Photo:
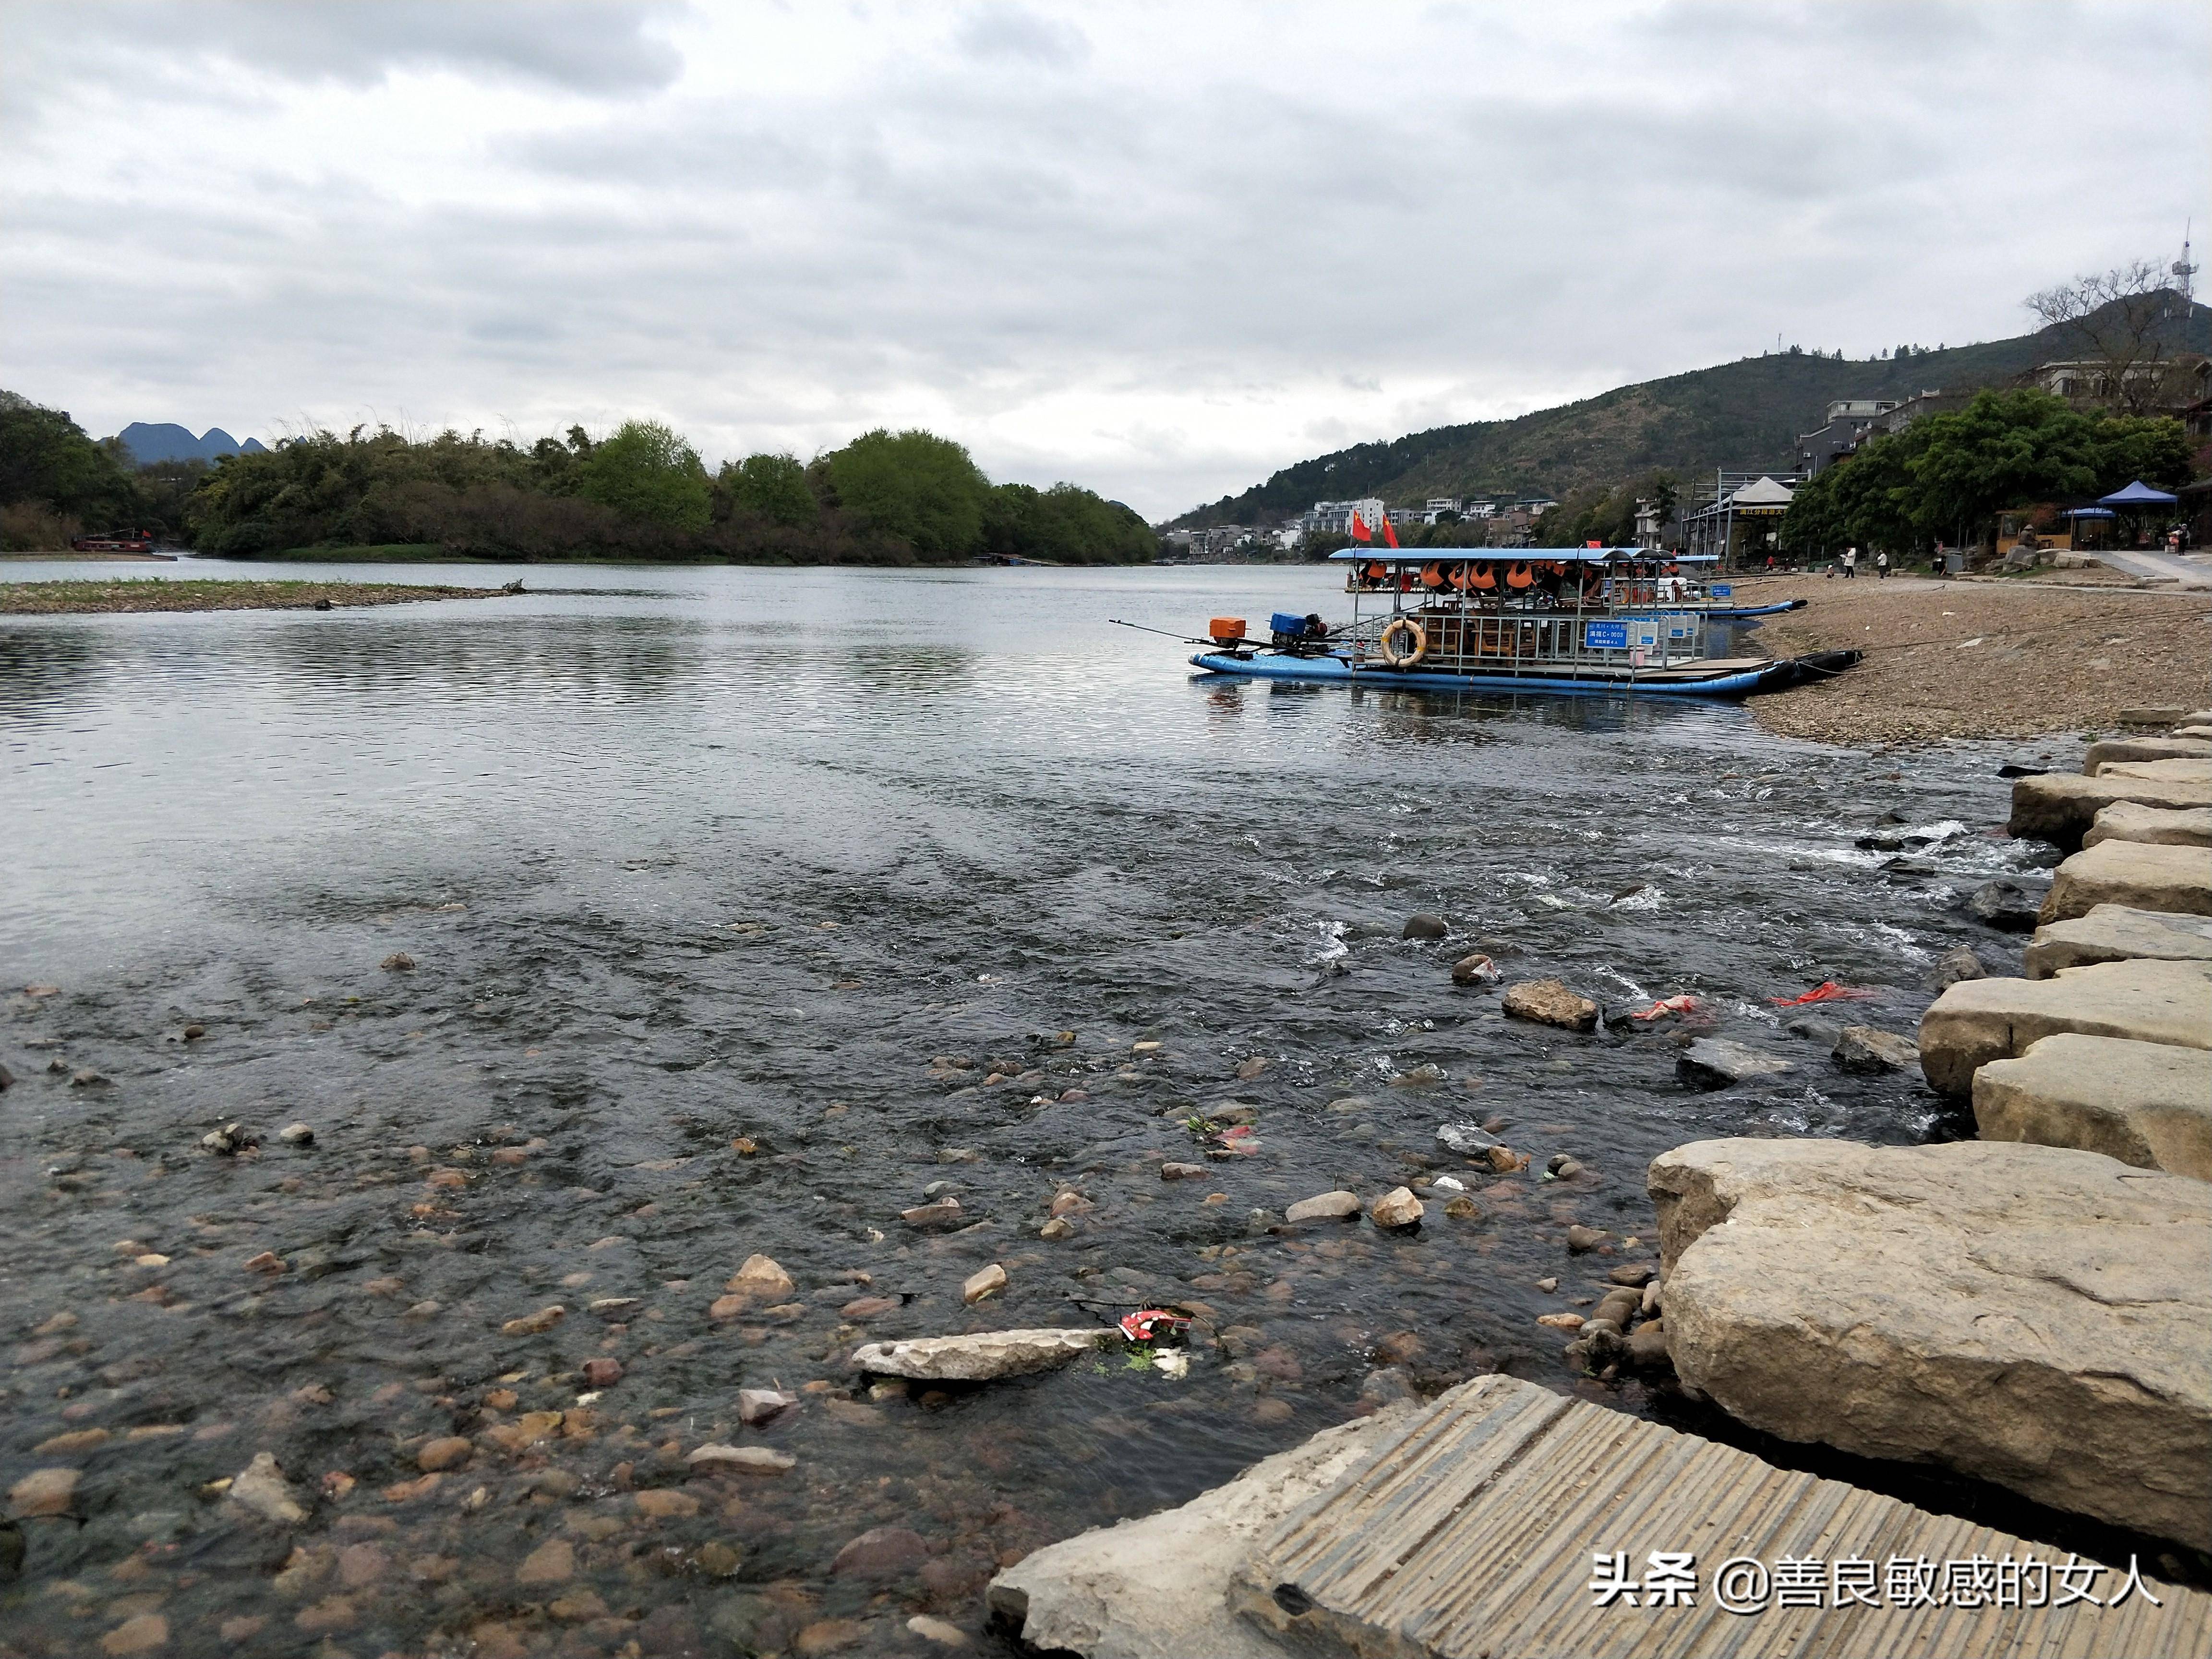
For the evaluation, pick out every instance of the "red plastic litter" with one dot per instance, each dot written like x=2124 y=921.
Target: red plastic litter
x=1152 y=1324
x=1682 y=1004
x=1826 y=991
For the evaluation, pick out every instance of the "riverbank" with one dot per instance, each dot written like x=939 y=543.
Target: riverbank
x=1980 y=659
x=69 y=599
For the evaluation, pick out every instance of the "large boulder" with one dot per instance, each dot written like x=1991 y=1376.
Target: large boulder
x=2114 y=932
x=980 y=1357
x=2145 y=1103
x=2142 y=876
x=2030 y=1316
x=1716 y=1062
x=2112 y=749
x=1155 y=1589
x=1979 y=1020
x=2060 y=806
x=2127 y=820
x=1548 y=1002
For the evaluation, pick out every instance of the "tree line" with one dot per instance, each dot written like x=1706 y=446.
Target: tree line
x=641 y=492
x=1944 y=477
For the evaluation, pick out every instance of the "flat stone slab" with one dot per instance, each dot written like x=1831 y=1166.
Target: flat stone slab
x=2111 y=749
x=2115 y=933
x=1154 y=1589
x=2127 y=820
x=2179 y=770
x=980 y=1357
x=2140 y=875
x=1979 y=1020
x=1476 y=1532
x=2030 y=1316
x=2060 y=806
x=2145 y=1103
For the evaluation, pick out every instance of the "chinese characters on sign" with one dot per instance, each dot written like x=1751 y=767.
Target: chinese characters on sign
x=1745 y=1584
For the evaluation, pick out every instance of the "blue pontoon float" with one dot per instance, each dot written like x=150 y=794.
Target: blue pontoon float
x=1595 y=620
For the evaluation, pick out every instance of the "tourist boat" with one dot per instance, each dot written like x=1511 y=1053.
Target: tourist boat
x=1583 y=619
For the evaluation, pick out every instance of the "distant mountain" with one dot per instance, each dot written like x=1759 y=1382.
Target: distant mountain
x=168 y=442
x=1746 y=415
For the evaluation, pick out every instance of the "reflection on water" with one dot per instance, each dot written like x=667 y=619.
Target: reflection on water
x=740 y=859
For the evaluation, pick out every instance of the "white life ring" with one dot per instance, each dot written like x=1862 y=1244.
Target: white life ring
x=1409 y=654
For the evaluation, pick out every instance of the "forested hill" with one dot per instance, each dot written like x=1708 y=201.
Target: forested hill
x=1746 y=414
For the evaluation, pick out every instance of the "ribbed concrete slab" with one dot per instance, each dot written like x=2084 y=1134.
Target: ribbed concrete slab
x=2116 y=932
x=1474 y=1534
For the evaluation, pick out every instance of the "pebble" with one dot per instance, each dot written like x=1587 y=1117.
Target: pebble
x=1465 y=1139
x=1181 y=1171
x=1059 y=1227
x=535 y=1324
x=553 y=1562
x=1580 y=1238
x=1547 y=1286
x=1397 y=1208
x=759 y=1406
x=741 y=1459
x=398 y=962
x=1324 y=1206
x=267 y=1262
x=1069 y=1203
x=1636 y=1273
x=1504 y=1160
x=86 y=1077
x=1423 y=924
x=450 y=1451
x=1426 y=1075
x=1462 y=1208
x=867 y=1307
x=260 y=1489
x=944 y=1214
x=602 y=1372
x=1651 y=1297
x=882 y=1552
x=1252 y=1068
x=986 y=1282
x=1566 y=1169
x=937 y=1189
x=44 y=1491
x=228 y=1140
x=1561 y=1322
x=664 y=1503
x=763 y=1277
x=1272 y=1411
x=1959 y=963
x=296 y=1135
x=1716 y=1062
x=143 y=1634
x=829 y=1635
x=1868 y=1049
x=194 y=1033
x=937 y=1630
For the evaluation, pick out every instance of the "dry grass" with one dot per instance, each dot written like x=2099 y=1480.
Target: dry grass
x=1982 y=659
x=59 y=599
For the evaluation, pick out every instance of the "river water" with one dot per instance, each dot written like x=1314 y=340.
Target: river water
x=703 y=872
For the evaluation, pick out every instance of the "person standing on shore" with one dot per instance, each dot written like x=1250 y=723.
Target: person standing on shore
x=1881 y=565
x=1850 y=562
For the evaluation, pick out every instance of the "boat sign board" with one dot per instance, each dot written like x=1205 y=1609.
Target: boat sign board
x=1605 y=636
x=1723 y=590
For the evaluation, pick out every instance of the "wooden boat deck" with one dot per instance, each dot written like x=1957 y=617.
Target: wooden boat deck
x=1471 y=1535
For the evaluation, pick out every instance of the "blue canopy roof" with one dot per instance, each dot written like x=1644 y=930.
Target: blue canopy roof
x=2137 y=493
x=1502 y=554
x=2091 y=512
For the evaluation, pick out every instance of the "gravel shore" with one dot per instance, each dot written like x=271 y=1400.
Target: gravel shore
x=1981 y=659
x=45 y=599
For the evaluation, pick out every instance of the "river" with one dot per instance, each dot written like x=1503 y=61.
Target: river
x=690 y=861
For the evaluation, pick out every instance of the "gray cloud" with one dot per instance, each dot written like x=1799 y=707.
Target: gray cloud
x=1206 y=243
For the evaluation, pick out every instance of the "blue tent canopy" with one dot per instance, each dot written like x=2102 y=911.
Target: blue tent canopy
x=2092 y=513
x=2137 y=493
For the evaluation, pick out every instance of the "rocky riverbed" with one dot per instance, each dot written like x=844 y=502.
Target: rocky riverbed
x=1983 y=659
x=603 y=946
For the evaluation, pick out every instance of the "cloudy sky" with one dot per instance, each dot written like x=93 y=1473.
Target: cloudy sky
x=1159 y=248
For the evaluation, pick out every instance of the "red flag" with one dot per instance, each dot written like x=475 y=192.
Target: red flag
x=1388 y=534
x=1360 y=532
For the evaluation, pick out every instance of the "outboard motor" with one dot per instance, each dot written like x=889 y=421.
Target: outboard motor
x=1301 y=635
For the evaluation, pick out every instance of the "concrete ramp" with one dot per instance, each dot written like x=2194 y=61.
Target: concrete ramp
x=1476 y=1533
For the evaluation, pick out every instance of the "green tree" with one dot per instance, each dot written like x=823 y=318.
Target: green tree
x=646 y=472
x=46 y=459
x=1066 y=525
x=914 y=485
x=773 y=486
